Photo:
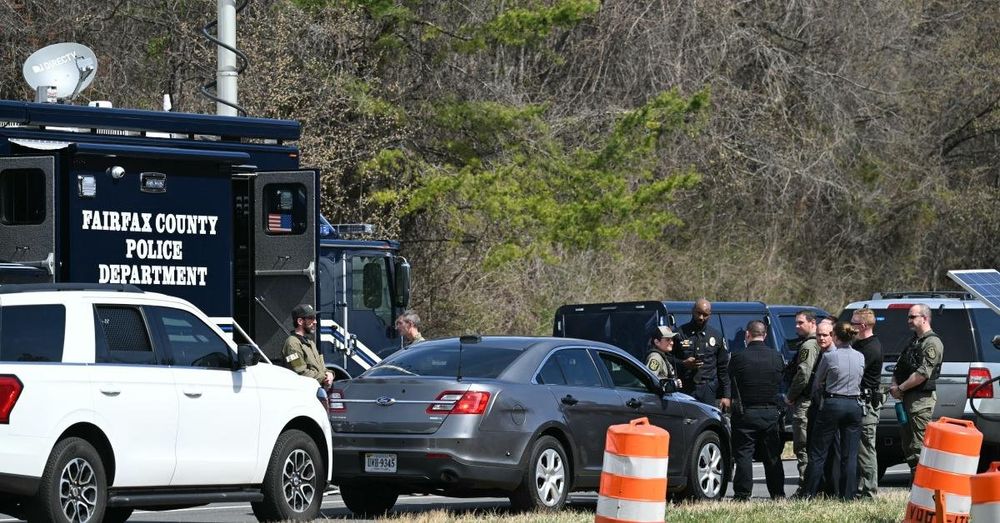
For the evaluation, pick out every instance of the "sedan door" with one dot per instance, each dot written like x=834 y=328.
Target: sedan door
x=218 y=426
x=588 y=407
x=640 y=396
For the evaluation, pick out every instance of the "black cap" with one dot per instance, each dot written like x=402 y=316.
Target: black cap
x=303 y=311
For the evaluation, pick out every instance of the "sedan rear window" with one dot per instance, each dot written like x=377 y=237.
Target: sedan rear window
x=443 y=360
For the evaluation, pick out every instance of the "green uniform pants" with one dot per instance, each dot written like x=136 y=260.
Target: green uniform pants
x=867 y=459
x=800 y=435
x=919 y=406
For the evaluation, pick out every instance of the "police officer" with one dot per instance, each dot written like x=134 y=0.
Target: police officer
x=704 y=358
x=800 y=389
x=871 y=392
x=408 y=327
x=838 y=379
x=914 y=380
x=299 y=349
x=756 y=375
x=659 y=357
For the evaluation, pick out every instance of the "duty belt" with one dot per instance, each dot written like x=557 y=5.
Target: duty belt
x=841 y=396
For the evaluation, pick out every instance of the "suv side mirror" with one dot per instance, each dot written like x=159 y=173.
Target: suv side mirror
x=667 y=386
x=246 y=356
x=996 y=341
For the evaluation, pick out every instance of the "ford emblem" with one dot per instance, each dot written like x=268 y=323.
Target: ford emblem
x=385 y=401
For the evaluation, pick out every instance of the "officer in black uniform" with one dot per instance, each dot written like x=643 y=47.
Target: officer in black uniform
x=704 y=358
x=756 y=375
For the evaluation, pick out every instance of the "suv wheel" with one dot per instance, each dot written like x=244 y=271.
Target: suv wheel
x=707 y=469
x=545 y=484
x=368 y=500
x=293 y=483
x=73 y=488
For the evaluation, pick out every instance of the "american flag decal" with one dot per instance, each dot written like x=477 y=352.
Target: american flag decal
x=279 y=222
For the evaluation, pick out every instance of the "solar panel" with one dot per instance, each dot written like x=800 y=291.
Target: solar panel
x=982 y=283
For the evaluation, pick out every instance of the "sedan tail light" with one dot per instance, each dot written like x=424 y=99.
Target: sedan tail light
x=457 y=402
x=332 y=397
x=10 y=390
x=978 y=376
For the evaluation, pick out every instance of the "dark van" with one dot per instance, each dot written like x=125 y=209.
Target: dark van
x=626 y=324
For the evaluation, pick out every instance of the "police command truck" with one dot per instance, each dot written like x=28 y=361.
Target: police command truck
x=212 y=209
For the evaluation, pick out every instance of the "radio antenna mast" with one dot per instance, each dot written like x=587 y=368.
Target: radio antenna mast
x=231 y=61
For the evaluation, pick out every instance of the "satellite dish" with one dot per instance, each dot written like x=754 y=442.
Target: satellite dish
x=68 y=67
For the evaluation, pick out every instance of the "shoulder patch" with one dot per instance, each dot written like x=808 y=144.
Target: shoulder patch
x=654 y=364
x=291 y=357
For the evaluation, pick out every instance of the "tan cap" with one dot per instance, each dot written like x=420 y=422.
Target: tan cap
x=665 y=331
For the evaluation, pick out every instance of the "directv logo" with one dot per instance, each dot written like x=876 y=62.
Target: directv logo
x=49 y=64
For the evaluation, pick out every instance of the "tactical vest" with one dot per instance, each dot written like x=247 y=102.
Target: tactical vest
x=793 y=365
x=909 y=361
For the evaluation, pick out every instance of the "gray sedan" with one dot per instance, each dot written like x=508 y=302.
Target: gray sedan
x=517 y=417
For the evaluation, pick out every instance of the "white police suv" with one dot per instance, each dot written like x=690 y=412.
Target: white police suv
x=969 y=330
x=113 y=399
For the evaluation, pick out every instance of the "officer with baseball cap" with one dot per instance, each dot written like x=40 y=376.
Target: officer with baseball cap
x=300 y=351
x=659 y=357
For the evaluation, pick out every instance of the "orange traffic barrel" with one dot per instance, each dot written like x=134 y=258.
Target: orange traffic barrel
x=948 y=460
x=986 y=495
x=634 y=475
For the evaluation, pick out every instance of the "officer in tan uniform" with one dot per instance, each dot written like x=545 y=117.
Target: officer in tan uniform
x=660 y=358
x=915 y=380
x=300 y=351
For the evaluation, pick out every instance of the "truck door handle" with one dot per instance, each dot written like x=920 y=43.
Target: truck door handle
x=192 y=394
x=569 y=400
x=633 y=403
x=108 y=391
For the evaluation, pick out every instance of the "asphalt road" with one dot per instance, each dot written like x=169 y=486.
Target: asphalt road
x=333 y=507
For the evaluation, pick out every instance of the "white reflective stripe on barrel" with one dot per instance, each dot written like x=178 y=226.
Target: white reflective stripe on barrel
x=948 y=462
x=635 y=467
x=985 y=512
x=631 y=510
x=954 y=504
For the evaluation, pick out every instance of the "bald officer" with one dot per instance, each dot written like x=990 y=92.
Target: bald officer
x=704 y=358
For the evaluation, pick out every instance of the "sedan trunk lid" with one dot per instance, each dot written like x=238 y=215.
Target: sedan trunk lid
x=395 y=406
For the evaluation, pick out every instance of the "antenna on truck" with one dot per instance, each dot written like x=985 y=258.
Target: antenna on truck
x=60 y=71
x=231 y=61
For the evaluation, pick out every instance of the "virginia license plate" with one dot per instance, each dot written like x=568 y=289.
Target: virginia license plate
x=380 y=462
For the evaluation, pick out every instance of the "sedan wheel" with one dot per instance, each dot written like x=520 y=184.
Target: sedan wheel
x=545 y=484
x=707 y=469
x=550 y=477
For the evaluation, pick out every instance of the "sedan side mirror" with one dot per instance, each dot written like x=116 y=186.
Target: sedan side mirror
x=668 y=386
x=996 y=341
x=246 y=356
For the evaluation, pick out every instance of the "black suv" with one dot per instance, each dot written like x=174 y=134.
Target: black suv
x=967 y=327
